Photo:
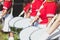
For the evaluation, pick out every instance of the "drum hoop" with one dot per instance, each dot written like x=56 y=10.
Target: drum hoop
x=16 y=21
x=32 y=33
x=20 y=20
x=12 y=19
x=9 y=21
x=24 y=29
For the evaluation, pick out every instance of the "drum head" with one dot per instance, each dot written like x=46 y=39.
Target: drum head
x=12 y=21
x=22 y=23
x=25 y=33
x=40 y=34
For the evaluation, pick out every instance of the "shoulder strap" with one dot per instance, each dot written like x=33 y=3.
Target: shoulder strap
x=38 y=13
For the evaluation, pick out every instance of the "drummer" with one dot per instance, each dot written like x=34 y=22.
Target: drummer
x=5 y=13
x=25 y=10
x=45 y=15
x=31 y=9
x=34 y=7
x=6 y=7
x=54 y=26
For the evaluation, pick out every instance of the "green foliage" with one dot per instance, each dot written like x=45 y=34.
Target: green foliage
x=4 y=36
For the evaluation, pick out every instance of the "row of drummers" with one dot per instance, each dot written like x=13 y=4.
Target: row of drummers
x=41 y=10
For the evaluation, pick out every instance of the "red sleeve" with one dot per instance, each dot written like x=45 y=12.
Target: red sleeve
x=26 y=8
x=7 y=4
x=51 y=9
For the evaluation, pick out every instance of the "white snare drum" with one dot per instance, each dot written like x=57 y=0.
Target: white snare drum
x=25 y=33
x=40 y=34
x=12 y=21
x=22 y=23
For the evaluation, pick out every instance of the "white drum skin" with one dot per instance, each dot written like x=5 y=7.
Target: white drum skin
x=22 y=23
x=12 y=21
x=40 y=34
x=25 y=33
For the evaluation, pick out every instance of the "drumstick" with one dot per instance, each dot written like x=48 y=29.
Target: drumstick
x=21 y=13
x=52 y=21
x=42 y=5
x=11 y=10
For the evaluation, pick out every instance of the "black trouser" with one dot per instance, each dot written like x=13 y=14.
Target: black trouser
x=17 y=7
